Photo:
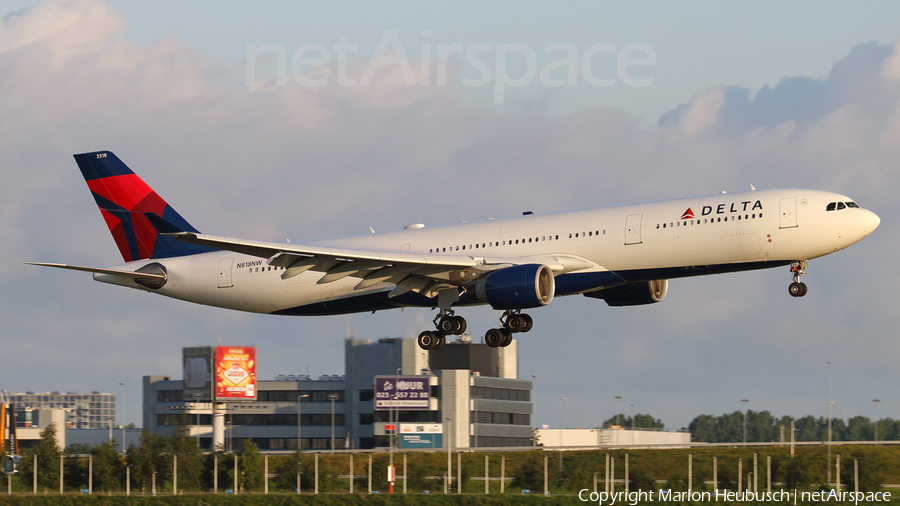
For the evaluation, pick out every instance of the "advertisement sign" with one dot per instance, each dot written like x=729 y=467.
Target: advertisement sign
x=197 y=373
x=421 y=428
x=421 y=441
x=404 y=392
x=235 y=373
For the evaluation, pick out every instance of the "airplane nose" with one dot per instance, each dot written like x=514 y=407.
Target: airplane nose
x=869 y=221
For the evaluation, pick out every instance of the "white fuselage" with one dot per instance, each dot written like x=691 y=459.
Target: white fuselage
x=654 y=240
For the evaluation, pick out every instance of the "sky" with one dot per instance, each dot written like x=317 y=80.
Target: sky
x=633 y=102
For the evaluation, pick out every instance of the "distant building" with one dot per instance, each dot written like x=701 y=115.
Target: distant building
x=646 y=438
x=83 y=411
x=30 y=435
x=474 y=399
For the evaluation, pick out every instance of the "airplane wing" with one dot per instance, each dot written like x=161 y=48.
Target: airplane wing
x=424 y=274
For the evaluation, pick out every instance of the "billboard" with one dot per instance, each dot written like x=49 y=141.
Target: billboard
x=421 y=435
x=197 y=373
x=235 y=373
x=403 y=392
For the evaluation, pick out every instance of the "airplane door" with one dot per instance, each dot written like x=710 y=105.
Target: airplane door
x=633 y=229
x=225 y=272
x=788 y=209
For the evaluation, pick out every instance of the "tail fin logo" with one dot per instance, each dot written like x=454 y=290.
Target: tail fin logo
x=124 y=200
x=687 y=214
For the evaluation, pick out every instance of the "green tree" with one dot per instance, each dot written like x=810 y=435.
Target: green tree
x=251 y=467
x=48 y=452
x=147 y=458
x=703 y=428
x=108 y=468
x=859 y=428
x=190 y=457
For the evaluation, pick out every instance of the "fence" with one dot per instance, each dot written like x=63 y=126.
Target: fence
x=737 y=467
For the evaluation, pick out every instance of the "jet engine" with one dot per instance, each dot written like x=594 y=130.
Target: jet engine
x=633 y=294
x=517 y=287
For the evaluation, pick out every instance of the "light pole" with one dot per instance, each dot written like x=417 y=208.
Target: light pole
x=197 y=416
x=875 y=402
x=830 y=405
x=560 y=421
x=124 y=407
x=299 y=423
x=744 y=402
x=332 y=397
x=449 y=453
x=618 y=398
x=632 y=417
x=110 y=419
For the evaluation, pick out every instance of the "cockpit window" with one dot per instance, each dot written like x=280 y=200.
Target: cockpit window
x=840 y=205
x=852 y=204
x=830 y=207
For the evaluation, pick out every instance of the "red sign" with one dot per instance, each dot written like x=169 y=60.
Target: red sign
x=236 y=373
x=389 y=426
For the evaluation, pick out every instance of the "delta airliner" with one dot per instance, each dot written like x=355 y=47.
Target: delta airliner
x=622 y=254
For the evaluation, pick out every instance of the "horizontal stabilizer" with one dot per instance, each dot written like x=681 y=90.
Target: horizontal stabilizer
x=97 y=270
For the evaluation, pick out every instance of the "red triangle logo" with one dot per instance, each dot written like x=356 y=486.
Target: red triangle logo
x=687 y=214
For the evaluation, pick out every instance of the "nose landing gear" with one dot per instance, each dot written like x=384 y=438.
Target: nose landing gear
x=798 y=288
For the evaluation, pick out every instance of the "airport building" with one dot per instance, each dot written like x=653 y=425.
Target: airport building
x=465 y=395
x=83 y=411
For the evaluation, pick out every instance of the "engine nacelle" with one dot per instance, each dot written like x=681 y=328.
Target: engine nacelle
x=633 y=294
x=517 y=287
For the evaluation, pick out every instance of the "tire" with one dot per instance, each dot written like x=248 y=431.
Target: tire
x=441 y=341
x=515 y=323
x=507 y=339
x=448 y=325
x=529 y=323
x=803 y=289
x=493 y=337
x=461 y=325
x=427 y=340
x=795 y=289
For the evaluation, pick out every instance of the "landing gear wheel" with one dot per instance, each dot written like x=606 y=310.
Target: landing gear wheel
x=516 y=323
x=441 y=341
x=529 y=323
x=495 y=337
x=797 y=289
x=461 y=325
x=448 y=324
x=428 y=340
x=507 y=339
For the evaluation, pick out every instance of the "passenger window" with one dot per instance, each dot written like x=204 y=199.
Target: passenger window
x=557 y=237
x=570 y=236
x=664 y=225
x=830 y=207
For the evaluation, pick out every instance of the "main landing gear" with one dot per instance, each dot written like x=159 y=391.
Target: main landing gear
x=445 y=323
x=513 y=321
x=798 y=288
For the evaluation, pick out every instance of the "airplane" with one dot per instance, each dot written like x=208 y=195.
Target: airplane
x=623 y=254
